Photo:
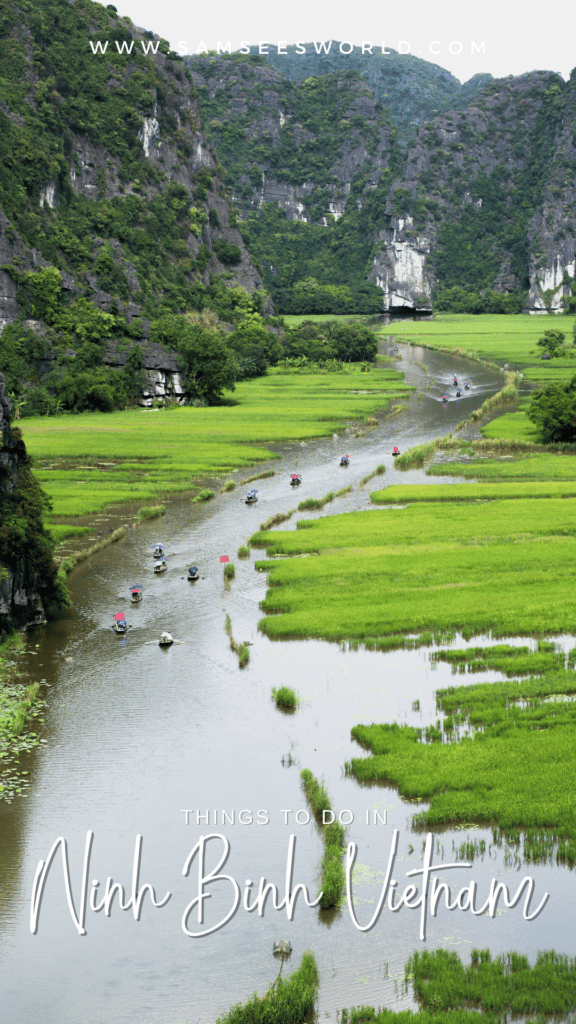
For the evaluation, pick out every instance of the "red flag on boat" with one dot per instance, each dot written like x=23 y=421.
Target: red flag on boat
x=119 y=615
x=224 y=558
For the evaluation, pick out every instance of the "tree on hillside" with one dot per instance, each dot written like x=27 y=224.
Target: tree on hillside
x=207 y=364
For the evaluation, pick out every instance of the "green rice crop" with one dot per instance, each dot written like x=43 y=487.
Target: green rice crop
x=514 y=426
x=285 y=697
x=343 y=491
x=61 y=531
x=230 y=485
x=474 y=492
x=150 y=512
x=229 y=571
x=451 y=992
x=333 y=834
x=90 y=461
x=243 y=551
x=502 y=566
x=515 y=771
x=204 y=495
x=507 y=984
x=287 y=1001
x=542 y=466
x=489 y=337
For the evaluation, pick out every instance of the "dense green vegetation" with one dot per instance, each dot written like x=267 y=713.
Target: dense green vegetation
x=451 y=992
x=553 y=410
x=156 y=453
x=287 y=1001
x=413 y=89
x=500 y=565
x=312 y=268
x=505 y=984
x=504 y=771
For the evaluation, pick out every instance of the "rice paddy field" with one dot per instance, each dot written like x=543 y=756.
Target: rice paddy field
x=501 y=339
x=512 y=767
x=493 y=491
x=541 y=466
x=91 y=461
x=502 y=566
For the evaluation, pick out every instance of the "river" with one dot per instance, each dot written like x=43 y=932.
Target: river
x=136 y=735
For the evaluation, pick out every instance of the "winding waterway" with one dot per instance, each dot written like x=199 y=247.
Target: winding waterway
x=136 y=735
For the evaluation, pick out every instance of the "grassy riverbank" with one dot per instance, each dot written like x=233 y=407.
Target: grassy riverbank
x=493 y=339
x=89 y=462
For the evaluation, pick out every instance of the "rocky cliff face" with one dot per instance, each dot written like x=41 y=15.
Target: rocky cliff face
x=487 y=195
x=413 y=90
x=481 y=199
x=298 y=144
x=123 y=192
x=27 y=574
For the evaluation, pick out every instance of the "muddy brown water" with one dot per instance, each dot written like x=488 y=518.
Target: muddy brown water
x=136 y=735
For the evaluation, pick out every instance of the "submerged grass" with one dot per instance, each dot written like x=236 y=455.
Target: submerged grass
x=243 y=551
x=379 y=471
x=204 y=495
x=515 y=770
x=285 y=697
x=150 y=512
x=19 y=704
x=74 y=559
x=242 y=650
x=333 y=834
x=313 y=504
x=78 y=462
x=278 y=517
x=287 y=1001
x=258 y=476
x=485 y=990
